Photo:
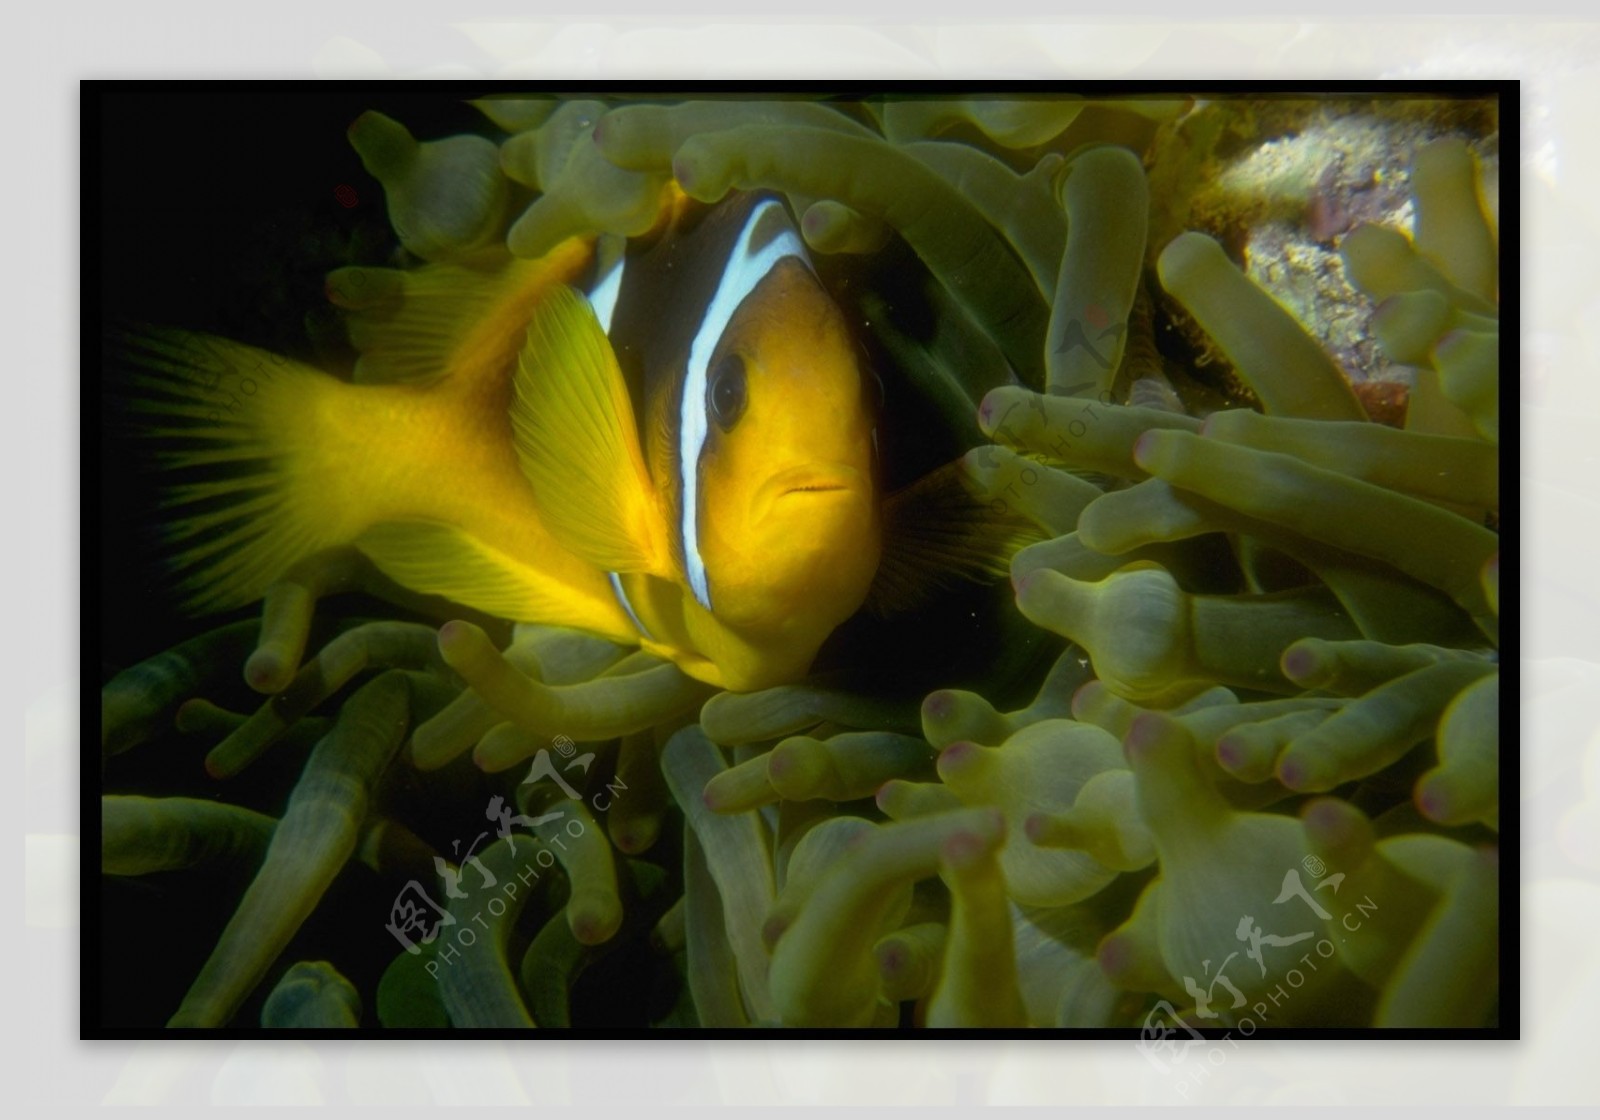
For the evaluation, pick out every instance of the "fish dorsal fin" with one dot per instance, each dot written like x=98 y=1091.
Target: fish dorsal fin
x=939 y=530
x=578 y=443
x=420 y=324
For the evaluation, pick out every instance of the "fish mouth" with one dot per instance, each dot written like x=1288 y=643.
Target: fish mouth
x=818 y=488
x=801 y=483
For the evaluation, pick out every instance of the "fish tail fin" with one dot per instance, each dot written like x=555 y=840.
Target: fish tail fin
x=236 y=433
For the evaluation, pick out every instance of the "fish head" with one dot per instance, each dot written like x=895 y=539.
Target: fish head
x=789 y=519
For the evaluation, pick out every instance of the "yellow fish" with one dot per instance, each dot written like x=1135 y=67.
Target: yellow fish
x=675 y=449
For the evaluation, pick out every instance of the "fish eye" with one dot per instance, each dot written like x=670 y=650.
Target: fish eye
x=727 y=392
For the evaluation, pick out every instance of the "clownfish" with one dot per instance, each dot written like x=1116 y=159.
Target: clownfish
x=672 y=446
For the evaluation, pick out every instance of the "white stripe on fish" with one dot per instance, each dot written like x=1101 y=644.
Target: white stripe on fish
x=766 y=239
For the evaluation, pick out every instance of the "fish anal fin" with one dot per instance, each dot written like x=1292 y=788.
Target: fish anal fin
x=434 y=558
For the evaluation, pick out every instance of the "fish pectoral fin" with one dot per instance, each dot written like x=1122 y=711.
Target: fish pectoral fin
x=578 y=443
x=938 y=531
x=433 y=558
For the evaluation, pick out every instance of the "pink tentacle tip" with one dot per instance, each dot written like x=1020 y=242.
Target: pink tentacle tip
x=1020 y=585
x=189 y=716
x=1114 y=954
x=1325 y=820
x=1036 y=826
x=453 y=634
x=264 y=671
x=1144 y=736
x=957 y=755
x=589 y=928
x=892 y=958
x=1143 y=448
x=634 y=839
x=1085 y=694
x=938 y=705
x=963 y=850
x=1432 y=801
x=1294 y=772
x=683 y=172
x=1298 y=663
x=1230 y=753
x=986 y=411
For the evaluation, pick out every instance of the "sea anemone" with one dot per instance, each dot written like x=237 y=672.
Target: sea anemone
x=1239 y=703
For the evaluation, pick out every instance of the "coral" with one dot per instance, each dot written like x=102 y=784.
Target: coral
x=1083 y=801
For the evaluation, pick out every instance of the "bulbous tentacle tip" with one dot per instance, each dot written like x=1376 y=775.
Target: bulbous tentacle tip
x=782 y=763
x=594 y=925
x=774 y=928
x=694 y=170
x=958 y=757
x=1330 y=823
x=1295 y=772
x=992 y=410
x=1037 y=827
x=1455 y=797
x=1144 y=448
x=892 y=956
x=454 y=633
x=383 y=143
x=1338 y=832
x=1432 y=798
x=1024 y=586
x=198 y=716
x=264 y=673
x=1299 y=662
x=1147 y=739
x=1230 y=753
x=635 y=837
x=938 y=705
x=1115 y=954
x=963 y=850
x=1085 y=696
